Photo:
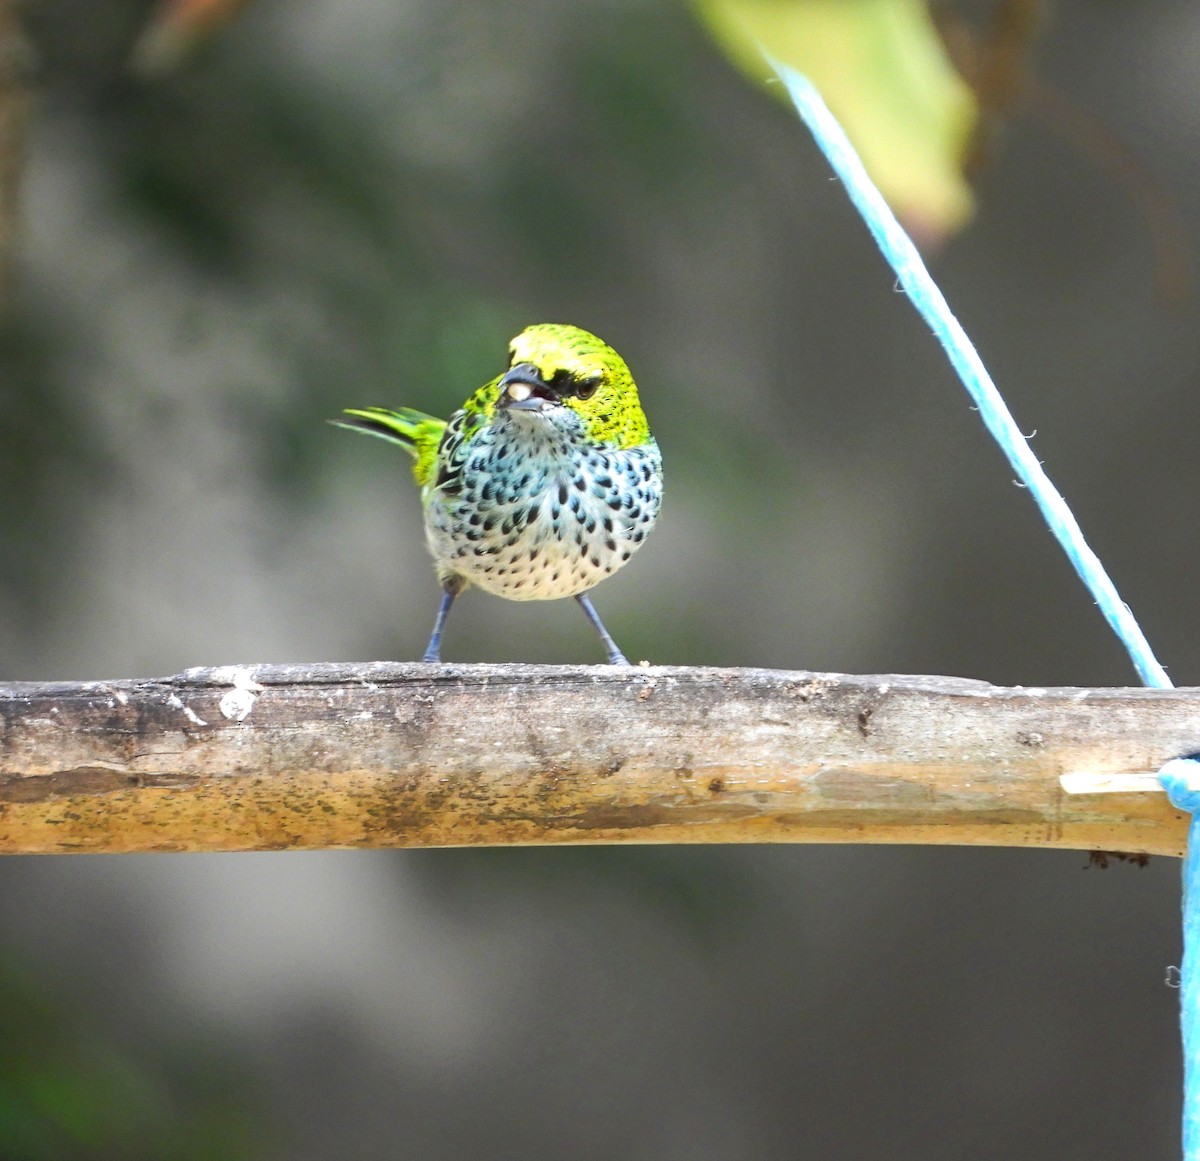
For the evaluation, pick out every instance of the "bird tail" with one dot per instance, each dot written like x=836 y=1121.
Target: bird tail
x=416 y=432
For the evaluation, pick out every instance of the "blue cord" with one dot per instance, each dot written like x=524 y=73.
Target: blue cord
x=1180 y=777
x=927 y=298
x=1181 y=780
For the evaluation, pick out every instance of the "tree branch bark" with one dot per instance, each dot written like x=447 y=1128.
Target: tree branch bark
x=387 y=755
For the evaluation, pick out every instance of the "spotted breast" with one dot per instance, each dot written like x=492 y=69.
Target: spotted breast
x=536 y=513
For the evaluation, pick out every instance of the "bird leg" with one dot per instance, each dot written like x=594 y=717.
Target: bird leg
x=615 y=656
x=433 y=651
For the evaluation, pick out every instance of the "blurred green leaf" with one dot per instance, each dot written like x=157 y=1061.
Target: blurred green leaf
x=882 y=69
x=176 y=27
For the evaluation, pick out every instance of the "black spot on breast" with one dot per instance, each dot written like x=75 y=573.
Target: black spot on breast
x=562 y=493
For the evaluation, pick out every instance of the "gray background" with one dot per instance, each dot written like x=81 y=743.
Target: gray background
x=359 y=203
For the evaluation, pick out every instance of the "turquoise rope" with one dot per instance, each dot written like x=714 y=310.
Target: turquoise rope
x=929 y=301
x=1179 y=776
x=1181 y=780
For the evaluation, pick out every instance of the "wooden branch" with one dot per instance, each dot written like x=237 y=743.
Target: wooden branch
x=382 y=755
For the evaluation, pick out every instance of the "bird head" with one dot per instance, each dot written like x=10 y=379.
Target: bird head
x=554 y=366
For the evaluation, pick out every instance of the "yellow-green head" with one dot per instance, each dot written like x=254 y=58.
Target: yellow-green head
x=556 y=363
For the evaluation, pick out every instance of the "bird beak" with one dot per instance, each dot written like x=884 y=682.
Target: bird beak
x=523 y=389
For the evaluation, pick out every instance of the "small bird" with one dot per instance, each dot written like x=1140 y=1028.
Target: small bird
x=546 y=481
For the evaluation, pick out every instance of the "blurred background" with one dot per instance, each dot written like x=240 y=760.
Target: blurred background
x=235 y=223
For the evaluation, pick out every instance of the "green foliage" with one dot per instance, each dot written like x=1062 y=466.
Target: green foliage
x=69 y=1092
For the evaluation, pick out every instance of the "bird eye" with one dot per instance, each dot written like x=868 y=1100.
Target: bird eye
x=587 y=387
